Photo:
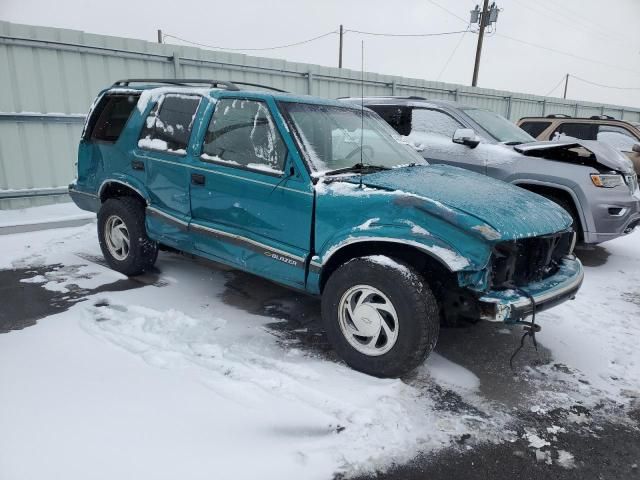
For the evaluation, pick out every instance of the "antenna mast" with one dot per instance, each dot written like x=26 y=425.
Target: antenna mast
x=361 y=110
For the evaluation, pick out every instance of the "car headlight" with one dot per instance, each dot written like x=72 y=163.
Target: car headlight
x=607 y=180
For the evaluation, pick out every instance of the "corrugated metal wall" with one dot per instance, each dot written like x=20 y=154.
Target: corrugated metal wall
x=51 y=76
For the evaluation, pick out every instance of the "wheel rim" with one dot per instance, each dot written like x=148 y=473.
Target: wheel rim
x=116 y=237
x=368 y=320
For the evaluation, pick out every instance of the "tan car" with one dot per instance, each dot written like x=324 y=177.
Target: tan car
x=621 y=135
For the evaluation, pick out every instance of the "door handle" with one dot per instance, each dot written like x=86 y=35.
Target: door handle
x=197 y=179
x=137 y=164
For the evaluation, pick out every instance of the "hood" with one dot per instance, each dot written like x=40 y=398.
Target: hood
x=511 y=211
x=604 y=154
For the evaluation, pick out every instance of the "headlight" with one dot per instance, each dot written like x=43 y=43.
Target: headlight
x=607 y=180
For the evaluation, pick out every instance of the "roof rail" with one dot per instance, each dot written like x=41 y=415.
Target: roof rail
x=185 y=82
x=274 y=89
x=601 y=117
x=177 y=81
x=558 y=115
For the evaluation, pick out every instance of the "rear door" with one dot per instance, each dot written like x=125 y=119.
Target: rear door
x=163 y=154
x=251 y=199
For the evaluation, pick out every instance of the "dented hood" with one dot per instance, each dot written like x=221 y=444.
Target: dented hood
x=605 y=155
x=511 y=211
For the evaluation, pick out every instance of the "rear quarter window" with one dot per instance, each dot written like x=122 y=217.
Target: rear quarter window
x=535 y=128
x=168 y=126
x=110 y=116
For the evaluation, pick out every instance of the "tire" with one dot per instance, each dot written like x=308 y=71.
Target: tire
x=415 y=306
x=134 y=252
x=570 y=209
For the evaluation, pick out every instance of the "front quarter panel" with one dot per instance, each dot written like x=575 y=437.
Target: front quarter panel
x=347 y=213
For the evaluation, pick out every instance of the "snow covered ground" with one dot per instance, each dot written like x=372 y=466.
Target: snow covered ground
x=172 y=380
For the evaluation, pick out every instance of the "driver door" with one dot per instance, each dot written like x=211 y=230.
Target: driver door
x=251 y=202
x=432 y=132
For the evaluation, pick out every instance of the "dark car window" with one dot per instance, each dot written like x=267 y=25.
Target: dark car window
x=168 y=126
x=110 y=116
x=583 y=131
x=243 y=133
x=535 y=128
x=425 y=120
x=398 y=117
x=618 y=137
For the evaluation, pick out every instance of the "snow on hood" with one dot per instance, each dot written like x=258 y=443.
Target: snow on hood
x=511 y=211
x=605 y=154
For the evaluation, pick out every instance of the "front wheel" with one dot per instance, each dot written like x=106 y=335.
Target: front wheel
x=380 y=316
x=123 y=236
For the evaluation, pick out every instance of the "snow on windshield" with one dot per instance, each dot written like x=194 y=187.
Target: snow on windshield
x=340 y=137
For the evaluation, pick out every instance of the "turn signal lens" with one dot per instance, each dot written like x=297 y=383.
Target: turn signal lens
x=607 y=180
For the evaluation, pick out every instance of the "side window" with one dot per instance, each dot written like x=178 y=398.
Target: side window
x=583 y=131
x=618 y=137
x=243 y=133
x=398 y=117
x=168 y=126
x=110 y=116
x=433 y=121
x=535 y=128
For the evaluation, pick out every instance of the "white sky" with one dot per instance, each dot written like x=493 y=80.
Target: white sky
x=605 y=32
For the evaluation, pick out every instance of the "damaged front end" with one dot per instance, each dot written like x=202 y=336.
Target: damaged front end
x=531 y=274
x=523 y=276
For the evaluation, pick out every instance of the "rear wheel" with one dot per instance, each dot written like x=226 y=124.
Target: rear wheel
x=123 y=236
x=380 y=316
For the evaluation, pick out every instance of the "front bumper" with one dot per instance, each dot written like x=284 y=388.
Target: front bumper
x=511 y=306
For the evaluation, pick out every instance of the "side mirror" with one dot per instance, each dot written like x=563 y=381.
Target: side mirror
x=636 y=147
x=466 y=136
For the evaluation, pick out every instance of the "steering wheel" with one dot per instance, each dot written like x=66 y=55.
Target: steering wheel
x=366 y=149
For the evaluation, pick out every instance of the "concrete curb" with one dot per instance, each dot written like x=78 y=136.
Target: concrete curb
x=34 y=227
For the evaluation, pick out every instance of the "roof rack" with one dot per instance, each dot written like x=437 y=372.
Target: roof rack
x=274 y=89
x=185 y=82
x=601 y=117
x=177 y=81
x=558 y=115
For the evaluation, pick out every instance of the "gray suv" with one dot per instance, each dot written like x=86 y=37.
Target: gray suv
x=592 y=181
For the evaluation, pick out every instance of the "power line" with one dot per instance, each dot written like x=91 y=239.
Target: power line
x=378 y=34
x=451 y=56
x=166 y=35
x=592 y=26
x=604 y=86
x=554 y=88
x=590 y=60
x=432 y=2
x=573 y=23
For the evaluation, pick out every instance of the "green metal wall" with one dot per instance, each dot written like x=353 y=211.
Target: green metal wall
x=50 y=76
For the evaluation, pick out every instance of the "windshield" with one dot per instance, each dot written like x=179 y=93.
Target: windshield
x=499 y=127
x=334 y=139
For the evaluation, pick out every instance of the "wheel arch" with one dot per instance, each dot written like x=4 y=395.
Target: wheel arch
x=558 y=190
x=420 y=258
x=113 y=188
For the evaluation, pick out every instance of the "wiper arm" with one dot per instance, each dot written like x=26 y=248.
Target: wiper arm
x=357 y=167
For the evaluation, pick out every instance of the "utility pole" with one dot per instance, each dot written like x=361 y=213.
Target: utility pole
x=486 y=17
x=340 y=48
x=159 y=36
x=566 y=84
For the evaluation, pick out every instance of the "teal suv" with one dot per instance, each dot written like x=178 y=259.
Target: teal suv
x=323 y=197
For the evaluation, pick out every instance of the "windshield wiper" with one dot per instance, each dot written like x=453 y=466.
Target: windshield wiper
x=513 y=143
x=357 y=168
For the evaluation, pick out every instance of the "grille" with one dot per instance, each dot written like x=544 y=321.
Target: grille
x=520 y=262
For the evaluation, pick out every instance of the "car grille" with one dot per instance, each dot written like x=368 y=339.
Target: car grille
x=520 y=262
